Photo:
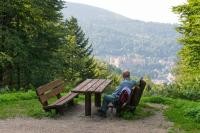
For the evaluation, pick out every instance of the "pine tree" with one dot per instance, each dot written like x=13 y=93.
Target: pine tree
x=77 y=52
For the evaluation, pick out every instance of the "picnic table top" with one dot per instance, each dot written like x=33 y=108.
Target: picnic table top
x=92 y=86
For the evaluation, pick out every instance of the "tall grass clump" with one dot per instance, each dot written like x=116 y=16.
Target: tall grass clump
x=16 y=96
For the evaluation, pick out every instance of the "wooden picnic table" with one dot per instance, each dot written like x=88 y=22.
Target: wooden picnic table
x=89 y=87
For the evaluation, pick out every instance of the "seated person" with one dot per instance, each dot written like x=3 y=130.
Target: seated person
x=126 y=83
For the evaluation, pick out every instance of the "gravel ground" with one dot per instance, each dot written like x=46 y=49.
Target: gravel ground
x=74 y=121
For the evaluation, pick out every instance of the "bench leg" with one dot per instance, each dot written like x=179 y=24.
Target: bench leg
x=98 y=99
x=87 y=104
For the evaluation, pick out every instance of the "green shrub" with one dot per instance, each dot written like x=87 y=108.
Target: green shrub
x=186 y=90
x=187 y=87
x=189 y=90
x=193 y=113
x=197 y=118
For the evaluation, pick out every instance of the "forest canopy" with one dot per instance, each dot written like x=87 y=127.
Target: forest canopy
x=38 y=45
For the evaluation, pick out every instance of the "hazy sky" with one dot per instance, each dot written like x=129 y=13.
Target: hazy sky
x=146 y=10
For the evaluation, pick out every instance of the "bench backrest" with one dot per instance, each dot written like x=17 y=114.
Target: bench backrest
x=50 y=90
x=137 y=93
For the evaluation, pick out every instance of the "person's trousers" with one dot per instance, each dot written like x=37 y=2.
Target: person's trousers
x=106 y=100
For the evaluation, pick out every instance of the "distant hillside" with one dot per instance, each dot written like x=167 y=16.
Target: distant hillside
x=143 y=47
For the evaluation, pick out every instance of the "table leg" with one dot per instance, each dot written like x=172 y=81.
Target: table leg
x=98 y=99
x=88 y=104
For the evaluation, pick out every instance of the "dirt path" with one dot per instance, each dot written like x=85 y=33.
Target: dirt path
x=74 y=121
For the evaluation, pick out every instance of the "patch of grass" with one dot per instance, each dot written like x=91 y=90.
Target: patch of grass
x=179 y=111
x=23 y=108
x=142 y=111
x=184 y=113
x=157 y=99
x=15 y=96
x=21 y=104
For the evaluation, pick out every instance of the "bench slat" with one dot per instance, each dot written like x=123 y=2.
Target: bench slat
x=86 y=86
x=69 y=98
x=65 y=97
x=61 y=102
x=53 y=92
x=84 y=83
x=42 y=89
x=89 y=85
x=102 y=86
x=95 y=86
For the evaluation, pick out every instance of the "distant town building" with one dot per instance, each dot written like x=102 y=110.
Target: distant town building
x=157 y=81
x=170 y=78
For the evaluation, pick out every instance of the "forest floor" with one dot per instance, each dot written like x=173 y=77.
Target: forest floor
x=74 y=121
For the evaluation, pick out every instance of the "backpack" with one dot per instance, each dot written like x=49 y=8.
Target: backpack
x=123 y=98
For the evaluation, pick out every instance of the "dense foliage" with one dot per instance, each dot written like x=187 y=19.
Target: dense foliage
x=188 y=67
x=37 y=46
x=30 y=34
x=175 y=90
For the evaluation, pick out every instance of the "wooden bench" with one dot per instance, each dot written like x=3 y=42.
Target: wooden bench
x=53 y=89
x=136 y=94
x=134 y=100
